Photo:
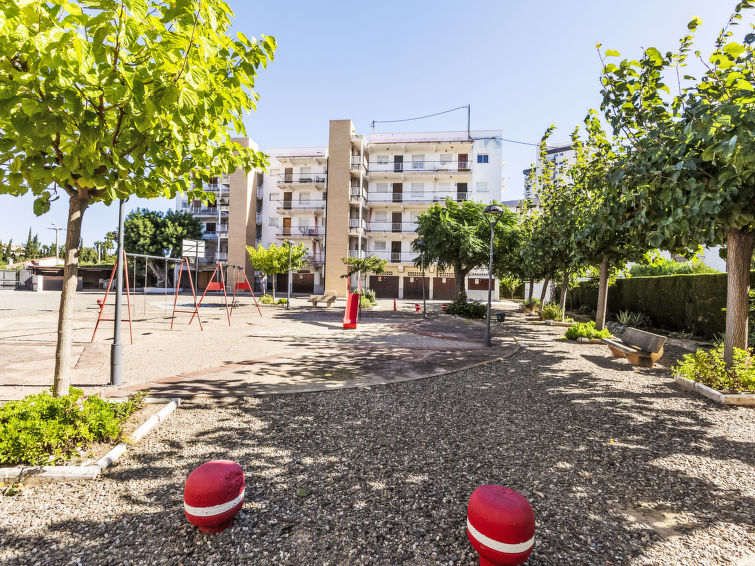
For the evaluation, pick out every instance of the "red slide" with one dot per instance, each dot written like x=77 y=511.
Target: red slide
x=352 y=310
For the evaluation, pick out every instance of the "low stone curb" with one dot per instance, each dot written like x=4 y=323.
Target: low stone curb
x=741 y=399
x=583 y=340
x=43 y=474
x=557 y=323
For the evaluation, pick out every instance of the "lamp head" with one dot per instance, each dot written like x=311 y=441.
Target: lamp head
x=493 y=213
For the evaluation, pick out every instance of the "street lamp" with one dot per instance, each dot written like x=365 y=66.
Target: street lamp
x=419 y=244
x=288 y=301
x=493 y=214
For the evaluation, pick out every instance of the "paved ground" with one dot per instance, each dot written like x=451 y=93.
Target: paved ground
x=304 y=349
x=621 y=467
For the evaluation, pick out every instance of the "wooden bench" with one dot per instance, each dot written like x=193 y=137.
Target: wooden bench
x=329 y=297
x=640 y=348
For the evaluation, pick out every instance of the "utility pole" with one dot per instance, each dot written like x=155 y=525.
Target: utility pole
x=116 y=348
x=57 y=247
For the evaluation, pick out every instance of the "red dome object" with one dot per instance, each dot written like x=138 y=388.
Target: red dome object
x=500 y=525
x=213 y=494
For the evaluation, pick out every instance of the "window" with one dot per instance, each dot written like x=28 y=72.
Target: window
x=482 y=187
x=275 y=172
x=418 y=161
x=379 y=246
x=444 y=189
x=382 y=188
x=445 y=158
x=380 y=216
x=382 y=159
x=482 y=158
x=273 y=221
x=418 y=189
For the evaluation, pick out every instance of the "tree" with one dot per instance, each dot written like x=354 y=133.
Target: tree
x=152 y=232
x=32 y=249
x=275 y=259
x=458 y=235
x=114 y=99
x=363 y=266
x=688 y=172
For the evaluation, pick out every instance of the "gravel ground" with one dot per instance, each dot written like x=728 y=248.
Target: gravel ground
x=621 y=467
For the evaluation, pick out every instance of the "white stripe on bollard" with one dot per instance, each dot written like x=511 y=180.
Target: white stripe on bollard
x=215 y=509
x=497 y=545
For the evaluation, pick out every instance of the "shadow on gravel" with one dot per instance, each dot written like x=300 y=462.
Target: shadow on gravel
x=382 y=475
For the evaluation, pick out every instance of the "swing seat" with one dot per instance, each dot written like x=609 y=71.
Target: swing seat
x=243 y=286
x=215 y=286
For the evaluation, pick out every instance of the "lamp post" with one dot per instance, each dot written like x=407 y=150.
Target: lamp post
x=116 y=348
x=288 y=301
x=493 y=214
x=57 y=247
x=420 y=243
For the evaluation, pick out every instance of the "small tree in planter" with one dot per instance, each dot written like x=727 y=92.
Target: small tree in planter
x=274 y=260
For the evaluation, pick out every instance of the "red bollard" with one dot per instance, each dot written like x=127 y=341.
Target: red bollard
x=394 y=304
x=500 y=525
x=213 y=494
x=443 y=306
x=416 y=307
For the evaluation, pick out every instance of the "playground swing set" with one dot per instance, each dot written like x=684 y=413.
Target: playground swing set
x=216 y=283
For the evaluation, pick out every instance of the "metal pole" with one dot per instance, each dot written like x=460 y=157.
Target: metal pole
x=196 y=267
x=116 y=350
x=288 y=302
x=490 y=291
x=424 y=302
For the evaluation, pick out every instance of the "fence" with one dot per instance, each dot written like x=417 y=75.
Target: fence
x=8 y=278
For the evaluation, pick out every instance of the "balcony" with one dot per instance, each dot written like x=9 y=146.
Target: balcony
x=357 y=253
x=260 y=192
x=296 y=205
x=357 y=226
x=417 y=168
x=357 y=194
x=259 y=218
x=394 y=257
x=358 y=164
x=222 y=231
x=316 y=259
x=302 y=181
x=300 y=232
x=416 y=198
x=217 y=188
x=205 y=211
x=392 y=227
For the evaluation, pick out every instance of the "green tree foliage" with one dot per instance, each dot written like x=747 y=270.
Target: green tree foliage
x=275 y=259
x=688 y=174
x=363 y=266
x=101 y=100
x=458 y=235
x=32 y=248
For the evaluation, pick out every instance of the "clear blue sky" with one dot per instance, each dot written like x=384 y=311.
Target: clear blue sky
x=521 y=65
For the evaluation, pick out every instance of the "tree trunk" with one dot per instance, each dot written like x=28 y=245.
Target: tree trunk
x=275 y=276
x=158 y=276
x=739 y=254
x=532 y=289
x=564 y=290
x=600 y=316
x=62 y=378
x=544 y=290
x=461 y=276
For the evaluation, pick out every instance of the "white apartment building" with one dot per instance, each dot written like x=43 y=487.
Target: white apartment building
x=358 y=196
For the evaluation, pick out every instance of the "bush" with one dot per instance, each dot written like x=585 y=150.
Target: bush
x=585 y=330
x=533 y=303
x=552 y=311
x=282 y=301
x=42 y=429
x=709 y=368
x=666 y=266
x=266 y=299
x=461 y=307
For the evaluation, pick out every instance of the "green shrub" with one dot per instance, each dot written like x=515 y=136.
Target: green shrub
x=282 y=301
x=634 y=319
x=586 y=330
x=266 y=299
x=665 y=266
x=552 y=311
x=364 y=302
x=461 y=307
x=708 y=367
x=531 y=303
x=42 y=429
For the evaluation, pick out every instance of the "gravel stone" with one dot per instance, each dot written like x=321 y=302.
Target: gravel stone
x=621 y=467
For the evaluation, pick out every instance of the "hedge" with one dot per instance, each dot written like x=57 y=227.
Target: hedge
x=690 y=302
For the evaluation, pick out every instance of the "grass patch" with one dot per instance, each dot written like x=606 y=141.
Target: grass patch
x=45 y=430
x=586 y=330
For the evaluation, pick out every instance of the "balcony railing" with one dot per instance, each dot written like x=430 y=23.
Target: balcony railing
x=301 y=232
x=357 y=253
x=316 y=258
x=356 y=224
x=357 y=193
x=394 y=257
x=409 y=198
x=259 y=218
x=358 y=162
x=304 y=204
x=302 y=178
x=260 y=192
x=421 y=167
x=392 y=227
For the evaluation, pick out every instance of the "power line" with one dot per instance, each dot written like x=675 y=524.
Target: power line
x=419 y=117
